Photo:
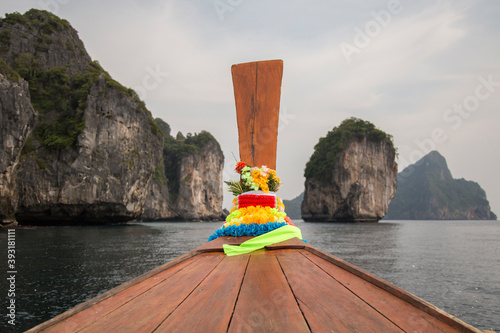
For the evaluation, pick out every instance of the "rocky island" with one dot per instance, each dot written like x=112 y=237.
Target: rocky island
x=351 y=176
x=427 y=191
x=293 y=207
x=191 y=189
x=78 y=147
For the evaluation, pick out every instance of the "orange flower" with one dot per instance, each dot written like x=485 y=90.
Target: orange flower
x=255 y=173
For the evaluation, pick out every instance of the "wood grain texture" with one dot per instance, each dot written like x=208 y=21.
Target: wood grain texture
x=398 y=311
x=289 y=286
x=327 y=305
x=402 y=294
x=150 y=309
x=293 y=243
x=266 y=303
x=257 y=92
x=209 y=307
x=216 y=244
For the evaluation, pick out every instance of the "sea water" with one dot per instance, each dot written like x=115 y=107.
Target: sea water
x=454 y=265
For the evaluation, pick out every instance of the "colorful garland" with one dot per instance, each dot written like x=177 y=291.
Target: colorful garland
x=257 y=210
x=256 y=214
x=246 y=230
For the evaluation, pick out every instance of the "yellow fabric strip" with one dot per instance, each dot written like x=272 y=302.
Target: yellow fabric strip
x=278 y=235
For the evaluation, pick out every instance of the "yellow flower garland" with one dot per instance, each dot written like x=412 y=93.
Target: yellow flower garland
x=254 y=214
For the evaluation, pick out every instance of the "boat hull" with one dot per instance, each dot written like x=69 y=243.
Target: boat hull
x=286 y=287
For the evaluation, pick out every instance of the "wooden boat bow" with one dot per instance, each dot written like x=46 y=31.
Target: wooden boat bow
x=286 y=287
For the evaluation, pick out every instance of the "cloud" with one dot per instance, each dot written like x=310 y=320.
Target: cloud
x=399 y=55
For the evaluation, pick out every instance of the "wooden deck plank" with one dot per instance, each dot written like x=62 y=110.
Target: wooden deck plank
x=216 y=244
x=290 y=286
x=209 y=307
x=326 y=304
x=85 y=317
x=150 y=308
x=398 y=311
x=402 y=294
x=293 y=243
x=266 y=303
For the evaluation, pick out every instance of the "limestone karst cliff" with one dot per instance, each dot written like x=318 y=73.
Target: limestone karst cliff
x=202 y=170
x=17 y=119
x=351 y=176
x=427 y=191
x=192 y=187
x=95 y=155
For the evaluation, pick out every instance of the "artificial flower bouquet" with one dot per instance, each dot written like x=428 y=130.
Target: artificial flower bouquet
x=254 y=179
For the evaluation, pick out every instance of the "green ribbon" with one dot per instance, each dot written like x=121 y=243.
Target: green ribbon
x=278 y=235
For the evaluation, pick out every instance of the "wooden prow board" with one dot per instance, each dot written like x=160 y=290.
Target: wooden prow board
x=257 y=90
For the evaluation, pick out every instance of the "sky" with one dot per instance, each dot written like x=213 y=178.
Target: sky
x=426 y=72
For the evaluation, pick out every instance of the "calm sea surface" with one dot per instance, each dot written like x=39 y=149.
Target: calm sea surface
x=454 y=265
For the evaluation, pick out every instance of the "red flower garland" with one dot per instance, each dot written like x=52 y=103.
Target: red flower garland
x=256 y=200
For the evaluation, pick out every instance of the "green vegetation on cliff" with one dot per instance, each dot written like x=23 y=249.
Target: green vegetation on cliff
x=40 y=24
x=175 y=149
x=8 y=72
x=328 y=148
x=52 y=90
x=5 y=40
x=64 y=97
x=41 y=20
x=58 y=93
